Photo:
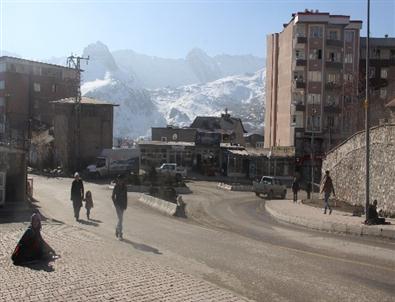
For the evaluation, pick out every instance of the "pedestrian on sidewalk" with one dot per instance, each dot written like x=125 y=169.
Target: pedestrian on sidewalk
x=77 y=195
x=327 y=188
x=88 y=203
x=295 y=189
x=32 y=247
x=120 y=199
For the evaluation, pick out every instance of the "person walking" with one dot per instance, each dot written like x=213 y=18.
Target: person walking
x=88 y=203
x=77 y=195
x=120 y=199
x=295 y=189
x=327 y=188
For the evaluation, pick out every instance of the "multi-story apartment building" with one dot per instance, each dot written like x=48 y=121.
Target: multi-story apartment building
x=381 y=79
x=311 y=84
x=26 y=90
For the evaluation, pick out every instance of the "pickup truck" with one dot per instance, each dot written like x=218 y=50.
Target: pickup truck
x=270 y=186
x=172 y=169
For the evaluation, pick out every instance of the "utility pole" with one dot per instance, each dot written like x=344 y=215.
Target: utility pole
x=367 y=116
x=75 y=62
x=312 y=149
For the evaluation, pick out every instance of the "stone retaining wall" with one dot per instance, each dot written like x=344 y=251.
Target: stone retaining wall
x=347 y=166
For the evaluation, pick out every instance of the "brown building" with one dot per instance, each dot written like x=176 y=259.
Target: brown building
x=381 y=80
x=311 y=84
x=173 y=134
x=26 y=88
x=96 y=131
x=230 y=129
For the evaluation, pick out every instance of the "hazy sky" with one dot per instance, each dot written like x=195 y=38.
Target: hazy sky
x=42 y=29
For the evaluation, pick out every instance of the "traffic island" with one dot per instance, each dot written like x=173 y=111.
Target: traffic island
x=164 y=206
x=337 y=222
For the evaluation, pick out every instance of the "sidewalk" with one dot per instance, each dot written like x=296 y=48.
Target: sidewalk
x=96 y=268
x=338 y=222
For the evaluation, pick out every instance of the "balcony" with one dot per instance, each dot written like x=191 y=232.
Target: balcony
x=333 y=85
x=299 y=84
x=332 y=42
x=334 y=65
x=301 y=62
x=332 y=108
x=301 y=40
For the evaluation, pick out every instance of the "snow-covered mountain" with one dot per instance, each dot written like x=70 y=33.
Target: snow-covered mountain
x=155 y=92
x=242 y=95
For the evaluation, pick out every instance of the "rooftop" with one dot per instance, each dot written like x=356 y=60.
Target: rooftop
x=84 y=100
x=381 y=42
x=8 y=58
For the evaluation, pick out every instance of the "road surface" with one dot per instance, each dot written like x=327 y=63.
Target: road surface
x=229 y=240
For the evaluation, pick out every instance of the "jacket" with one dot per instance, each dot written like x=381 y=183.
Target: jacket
x=120 y=196
x=77 y=190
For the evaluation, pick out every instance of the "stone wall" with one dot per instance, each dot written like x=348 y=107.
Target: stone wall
x=347 y=165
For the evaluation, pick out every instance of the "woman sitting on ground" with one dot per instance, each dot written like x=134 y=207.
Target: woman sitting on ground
x=32 y=247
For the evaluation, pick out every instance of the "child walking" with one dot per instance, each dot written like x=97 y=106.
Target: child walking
x=88 y=203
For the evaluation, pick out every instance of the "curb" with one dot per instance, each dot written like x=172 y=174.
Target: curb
x=240 y=188
x=332 y=227
x=161 y=205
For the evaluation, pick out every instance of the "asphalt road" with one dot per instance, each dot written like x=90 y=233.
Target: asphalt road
x=229 y=240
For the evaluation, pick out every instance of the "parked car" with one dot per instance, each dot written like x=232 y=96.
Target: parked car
x=172 y=169
x=270 y=186
x=115 y=161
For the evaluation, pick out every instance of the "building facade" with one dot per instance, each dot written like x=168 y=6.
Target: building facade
x=311 y=85
x=26 y=90
x=96 y=132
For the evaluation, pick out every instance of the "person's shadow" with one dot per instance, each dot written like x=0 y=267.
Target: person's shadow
x=41 y=265
x=142 y=247
x=88 y=222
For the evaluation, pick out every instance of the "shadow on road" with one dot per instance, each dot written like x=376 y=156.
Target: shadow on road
x=89 y=222
x=95 y=220
x=142 y=247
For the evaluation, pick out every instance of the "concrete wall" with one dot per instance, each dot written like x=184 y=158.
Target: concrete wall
x=347 y=166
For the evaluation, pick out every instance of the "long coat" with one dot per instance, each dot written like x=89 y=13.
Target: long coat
x=77 y=192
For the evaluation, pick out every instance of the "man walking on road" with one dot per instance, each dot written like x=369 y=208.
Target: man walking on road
x=327 y=188
x=120 y=199
x=77 y=195
x=295 y=189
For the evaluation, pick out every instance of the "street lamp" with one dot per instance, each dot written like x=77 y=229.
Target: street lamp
x=367 y=115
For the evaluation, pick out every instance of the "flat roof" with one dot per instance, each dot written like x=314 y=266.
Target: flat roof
x=160 y=143
x=84 y=100
x=33 y=62
x=378 y=42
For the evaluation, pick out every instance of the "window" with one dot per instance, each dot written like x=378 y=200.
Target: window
x=348 y=58
x=163 y=139
x=3 y=67
x=392 y=54
x=332 y=100
x=2 y=101
x=376 y=52
x=348 y=77
x=316 y=54
x=298 y=99
x=54 y=87
x=316 y=32
x=334 y=56
x=333 y=34
x=37 y=87
x=330 y=121
x=37 y=70
x=349 y=36
x=383 y=93
x=372 y=72
x=298 y=76
x=333 y=78
x=347 y=99
x=300 y=30
x=314 y=122
x=315 y=76
x=2 y=85
x=299 y=54
x=384 y=73
x=313 y=98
